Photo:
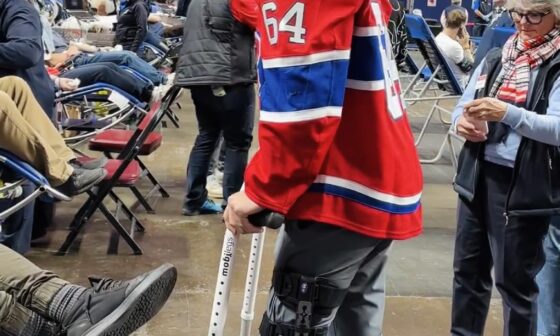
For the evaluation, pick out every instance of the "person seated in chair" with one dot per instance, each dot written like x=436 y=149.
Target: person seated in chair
x=36 y=302
x=454 y=43
x=21 y=50
x=132 y=25
x=79 y=54
x=27 y=132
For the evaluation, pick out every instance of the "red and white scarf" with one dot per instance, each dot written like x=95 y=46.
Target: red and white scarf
x=518 y=59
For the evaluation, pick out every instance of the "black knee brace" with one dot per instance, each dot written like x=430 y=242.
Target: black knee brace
x=310 y=298
x=267 y=328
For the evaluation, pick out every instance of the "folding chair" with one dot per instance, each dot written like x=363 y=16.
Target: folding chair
x=169 y=113
x=115 y=141
x=21 y=171
x=415 y=75
x=442 y=76
x=123 y=171
x=119 y=104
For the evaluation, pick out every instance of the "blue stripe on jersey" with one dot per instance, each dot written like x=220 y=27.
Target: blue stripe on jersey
x=365 y=59
x=364 y=199
x=295 y=88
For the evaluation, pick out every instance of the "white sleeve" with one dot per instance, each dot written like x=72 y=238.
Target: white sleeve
x=456 y=52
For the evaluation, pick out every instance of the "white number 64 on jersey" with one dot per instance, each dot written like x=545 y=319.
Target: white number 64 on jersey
x=294 y=15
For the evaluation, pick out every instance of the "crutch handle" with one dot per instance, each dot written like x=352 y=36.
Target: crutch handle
x=267 y=218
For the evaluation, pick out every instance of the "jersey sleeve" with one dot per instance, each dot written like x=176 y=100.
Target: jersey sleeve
x=245 y=11
x=305 y=51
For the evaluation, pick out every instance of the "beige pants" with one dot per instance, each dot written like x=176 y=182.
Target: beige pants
x=24 y=284
x=26 y=131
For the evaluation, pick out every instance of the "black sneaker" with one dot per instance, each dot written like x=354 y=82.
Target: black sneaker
x=81 y=180
x=117 y=308
x=100 y=162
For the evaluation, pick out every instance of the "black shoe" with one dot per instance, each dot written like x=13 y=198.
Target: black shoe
x=81 y=180
x=100 y=162
x=115 y=308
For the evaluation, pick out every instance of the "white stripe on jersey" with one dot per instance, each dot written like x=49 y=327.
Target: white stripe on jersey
x=365 y=85
x=326 y=56
x=301 y=115
x=367 y=31
x=388 y=198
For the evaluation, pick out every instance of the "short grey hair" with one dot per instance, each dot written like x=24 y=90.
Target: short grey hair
x=553 y=5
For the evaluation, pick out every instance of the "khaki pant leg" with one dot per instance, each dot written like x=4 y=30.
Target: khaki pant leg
x=31 y=111
x=31 y=286
x=20 y=137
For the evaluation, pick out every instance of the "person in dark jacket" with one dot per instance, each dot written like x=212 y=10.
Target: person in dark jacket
x=398 y=34
x=507 y=177
x=482 y=15
x=132 y=25
x=217 y=63
x=21 y=50
x=182 y=7
x=488 y=40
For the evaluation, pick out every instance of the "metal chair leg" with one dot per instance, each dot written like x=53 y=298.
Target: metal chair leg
x=425 y=125
x=152 y=178
x=121 y=231
x=128 y=212
x=141 y=200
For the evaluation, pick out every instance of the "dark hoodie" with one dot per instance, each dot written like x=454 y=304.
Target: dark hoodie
x=132 y=25
x=21 y=49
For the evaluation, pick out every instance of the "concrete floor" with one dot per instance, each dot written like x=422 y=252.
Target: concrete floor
x=420 y=270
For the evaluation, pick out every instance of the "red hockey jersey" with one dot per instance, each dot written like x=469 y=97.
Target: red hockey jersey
x=335 y=145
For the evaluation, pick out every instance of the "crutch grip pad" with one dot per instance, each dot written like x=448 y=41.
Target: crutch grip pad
x=267 y=218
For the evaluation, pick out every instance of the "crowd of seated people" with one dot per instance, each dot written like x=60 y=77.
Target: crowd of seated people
x=37 y=63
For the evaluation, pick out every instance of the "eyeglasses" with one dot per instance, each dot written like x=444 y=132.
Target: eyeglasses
x=531 y=17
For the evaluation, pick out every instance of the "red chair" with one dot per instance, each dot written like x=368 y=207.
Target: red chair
x=116 y=140
x=124 y=171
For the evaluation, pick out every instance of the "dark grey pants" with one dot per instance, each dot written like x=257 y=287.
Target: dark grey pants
x=345 y=260
x=515 y=251
x=231 y=116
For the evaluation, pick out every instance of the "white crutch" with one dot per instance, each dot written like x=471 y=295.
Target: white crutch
x=251 y=283
x=223 y=282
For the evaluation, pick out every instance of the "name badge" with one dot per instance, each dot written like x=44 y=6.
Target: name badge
x=481 y=82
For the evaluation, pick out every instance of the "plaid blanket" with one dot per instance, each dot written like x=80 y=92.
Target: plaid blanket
x=519 y=58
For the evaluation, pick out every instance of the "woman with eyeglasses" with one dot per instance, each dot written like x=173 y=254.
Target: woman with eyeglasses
x=508 y=179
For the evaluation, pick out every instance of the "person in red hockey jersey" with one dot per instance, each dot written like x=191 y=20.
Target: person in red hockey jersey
x=336 y=157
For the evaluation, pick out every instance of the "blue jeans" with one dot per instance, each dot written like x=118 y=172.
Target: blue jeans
x=549 y=284
x=125 y=58
x=110 y=73
x=155 y=33
x=233 y=116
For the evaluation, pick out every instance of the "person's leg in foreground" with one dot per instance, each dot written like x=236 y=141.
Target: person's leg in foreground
x=349 y=282
x=34 y=302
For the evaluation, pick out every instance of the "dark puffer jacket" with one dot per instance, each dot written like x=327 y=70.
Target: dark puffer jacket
x=132 y=25
x=217 y=50
x=21 y=50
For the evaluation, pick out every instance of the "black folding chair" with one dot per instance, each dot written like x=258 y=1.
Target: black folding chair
x=123 y=171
